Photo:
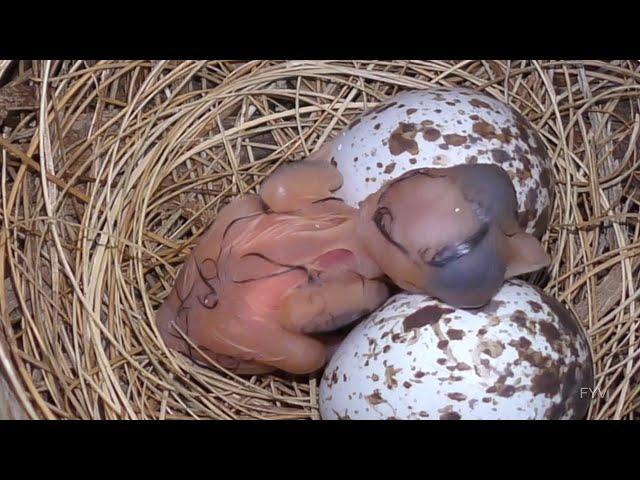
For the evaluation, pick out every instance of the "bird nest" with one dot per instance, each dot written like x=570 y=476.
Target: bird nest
x=112 y=170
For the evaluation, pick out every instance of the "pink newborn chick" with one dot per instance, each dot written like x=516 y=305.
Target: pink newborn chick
x=277 y=269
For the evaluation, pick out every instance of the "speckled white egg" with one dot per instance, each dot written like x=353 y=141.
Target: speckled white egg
x=440 y=128
x=523 y=356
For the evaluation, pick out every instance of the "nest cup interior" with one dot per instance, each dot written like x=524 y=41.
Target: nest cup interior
x=114 y=170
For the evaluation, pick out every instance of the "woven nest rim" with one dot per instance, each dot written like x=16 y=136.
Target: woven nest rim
x=139 y=155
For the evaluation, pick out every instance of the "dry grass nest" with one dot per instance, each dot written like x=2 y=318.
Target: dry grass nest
x=112 y=170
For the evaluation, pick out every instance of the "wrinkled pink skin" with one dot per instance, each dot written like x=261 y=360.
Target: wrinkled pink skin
x=277 y=269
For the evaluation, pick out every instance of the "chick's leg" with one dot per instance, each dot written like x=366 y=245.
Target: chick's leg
x=293 y=352
x=241 y=343
x=296 y=185
x=327 y=307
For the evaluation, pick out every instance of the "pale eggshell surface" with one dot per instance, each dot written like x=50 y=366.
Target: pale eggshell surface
x=523 y=356
x=441 y=128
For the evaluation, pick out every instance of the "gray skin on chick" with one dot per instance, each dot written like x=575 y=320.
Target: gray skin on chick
x=450 y=232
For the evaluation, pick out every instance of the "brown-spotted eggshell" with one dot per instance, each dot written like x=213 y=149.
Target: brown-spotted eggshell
x=524 y=356
x=442 y=127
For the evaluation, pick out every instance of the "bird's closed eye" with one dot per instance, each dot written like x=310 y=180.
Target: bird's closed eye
x=450 y=253
x=383 y=219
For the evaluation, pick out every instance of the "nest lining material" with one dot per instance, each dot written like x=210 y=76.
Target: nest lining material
x=102 y=202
